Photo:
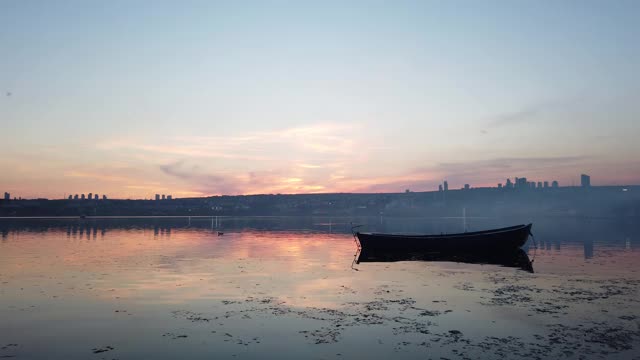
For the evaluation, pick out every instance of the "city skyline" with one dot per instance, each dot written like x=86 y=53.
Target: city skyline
x=212 y=98
x=518 y=183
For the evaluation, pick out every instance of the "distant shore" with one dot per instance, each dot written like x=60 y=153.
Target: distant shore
x=597 y=201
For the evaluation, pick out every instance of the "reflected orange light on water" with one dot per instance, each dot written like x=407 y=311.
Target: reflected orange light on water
x=154 y=266
x=164 y=265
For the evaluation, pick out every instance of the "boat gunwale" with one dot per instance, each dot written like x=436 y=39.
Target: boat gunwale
x=465 y=234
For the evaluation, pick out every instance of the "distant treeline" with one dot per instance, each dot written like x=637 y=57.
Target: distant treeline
x=572 y=201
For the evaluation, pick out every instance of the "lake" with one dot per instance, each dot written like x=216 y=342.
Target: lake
x=289 y=288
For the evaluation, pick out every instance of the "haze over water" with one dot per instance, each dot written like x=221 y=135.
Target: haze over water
x=288 y=288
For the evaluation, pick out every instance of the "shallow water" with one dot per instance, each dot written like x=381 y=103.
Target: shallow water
x=288 y=288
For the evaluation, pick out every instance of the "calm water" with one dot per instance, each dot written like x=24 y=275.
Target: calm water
x=288 y=288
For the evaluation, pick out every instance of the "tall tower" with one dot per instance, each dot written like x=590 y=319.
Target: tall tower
x=585 y=181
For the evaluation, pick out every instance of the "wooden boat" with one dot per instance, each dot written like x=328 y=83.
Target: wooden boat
x=496 y=240
x=514 y=258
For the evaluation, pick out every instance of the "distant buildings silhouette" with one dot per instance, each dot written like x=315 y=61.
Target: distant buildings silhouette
x=509 y=184
x=89 y=196
x=522 y=183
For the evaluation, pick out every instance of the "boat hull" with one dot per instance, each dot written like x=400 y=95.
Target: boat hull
x=504 y=239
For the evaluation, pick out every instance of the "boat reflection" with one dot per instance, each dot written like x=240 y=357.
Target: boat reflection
x=514 y=259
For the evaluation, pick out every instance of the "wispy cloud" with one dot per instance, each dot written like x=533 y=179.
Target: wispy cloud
x=96 y=175
x=521 y=116
x=298 y=159
x=527 y=114
x=255 y=146
x=516 y=163
x=481 y=172
x=202 y=183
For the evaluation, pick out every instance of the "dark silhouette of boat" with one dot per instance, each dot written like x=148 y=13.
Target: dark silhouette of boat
x=487 y=241
x=515 y=258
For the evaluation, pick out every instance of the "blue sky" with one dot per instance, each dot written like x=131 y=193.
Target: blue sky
x=131 y=98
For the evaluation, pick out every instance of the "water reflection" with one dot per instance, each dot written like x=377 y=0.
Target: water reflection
x=553 y=235
x=172 y=288
x=515 y=259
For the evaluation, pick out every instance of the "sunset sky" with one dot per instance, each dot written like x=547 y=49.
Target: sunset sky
x=196 y=98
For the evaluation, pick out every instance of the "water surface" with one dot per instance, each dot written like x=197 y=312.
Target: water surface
x=288 y=288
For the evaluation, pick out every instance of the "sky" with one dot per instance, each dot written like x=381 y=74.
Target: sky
x=199 y=98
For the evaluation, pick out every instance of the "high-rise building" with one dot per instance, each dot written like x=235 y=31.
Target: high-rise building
x=521 y=183
x=82 y=196
x=466 y=186
x=546 y=184
x=164 y=197
x=509 y=184
x=7 y=196
x=554 y=184
x=90 y=196
x=169 y=197
x=104 y=197
x=539 y=184
x=96 y=197
x=157 y=197
x=70 y=197
x=446 y=185
x=499 y=186
x=585 y=180
x=440 y=187
x=75 y=197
